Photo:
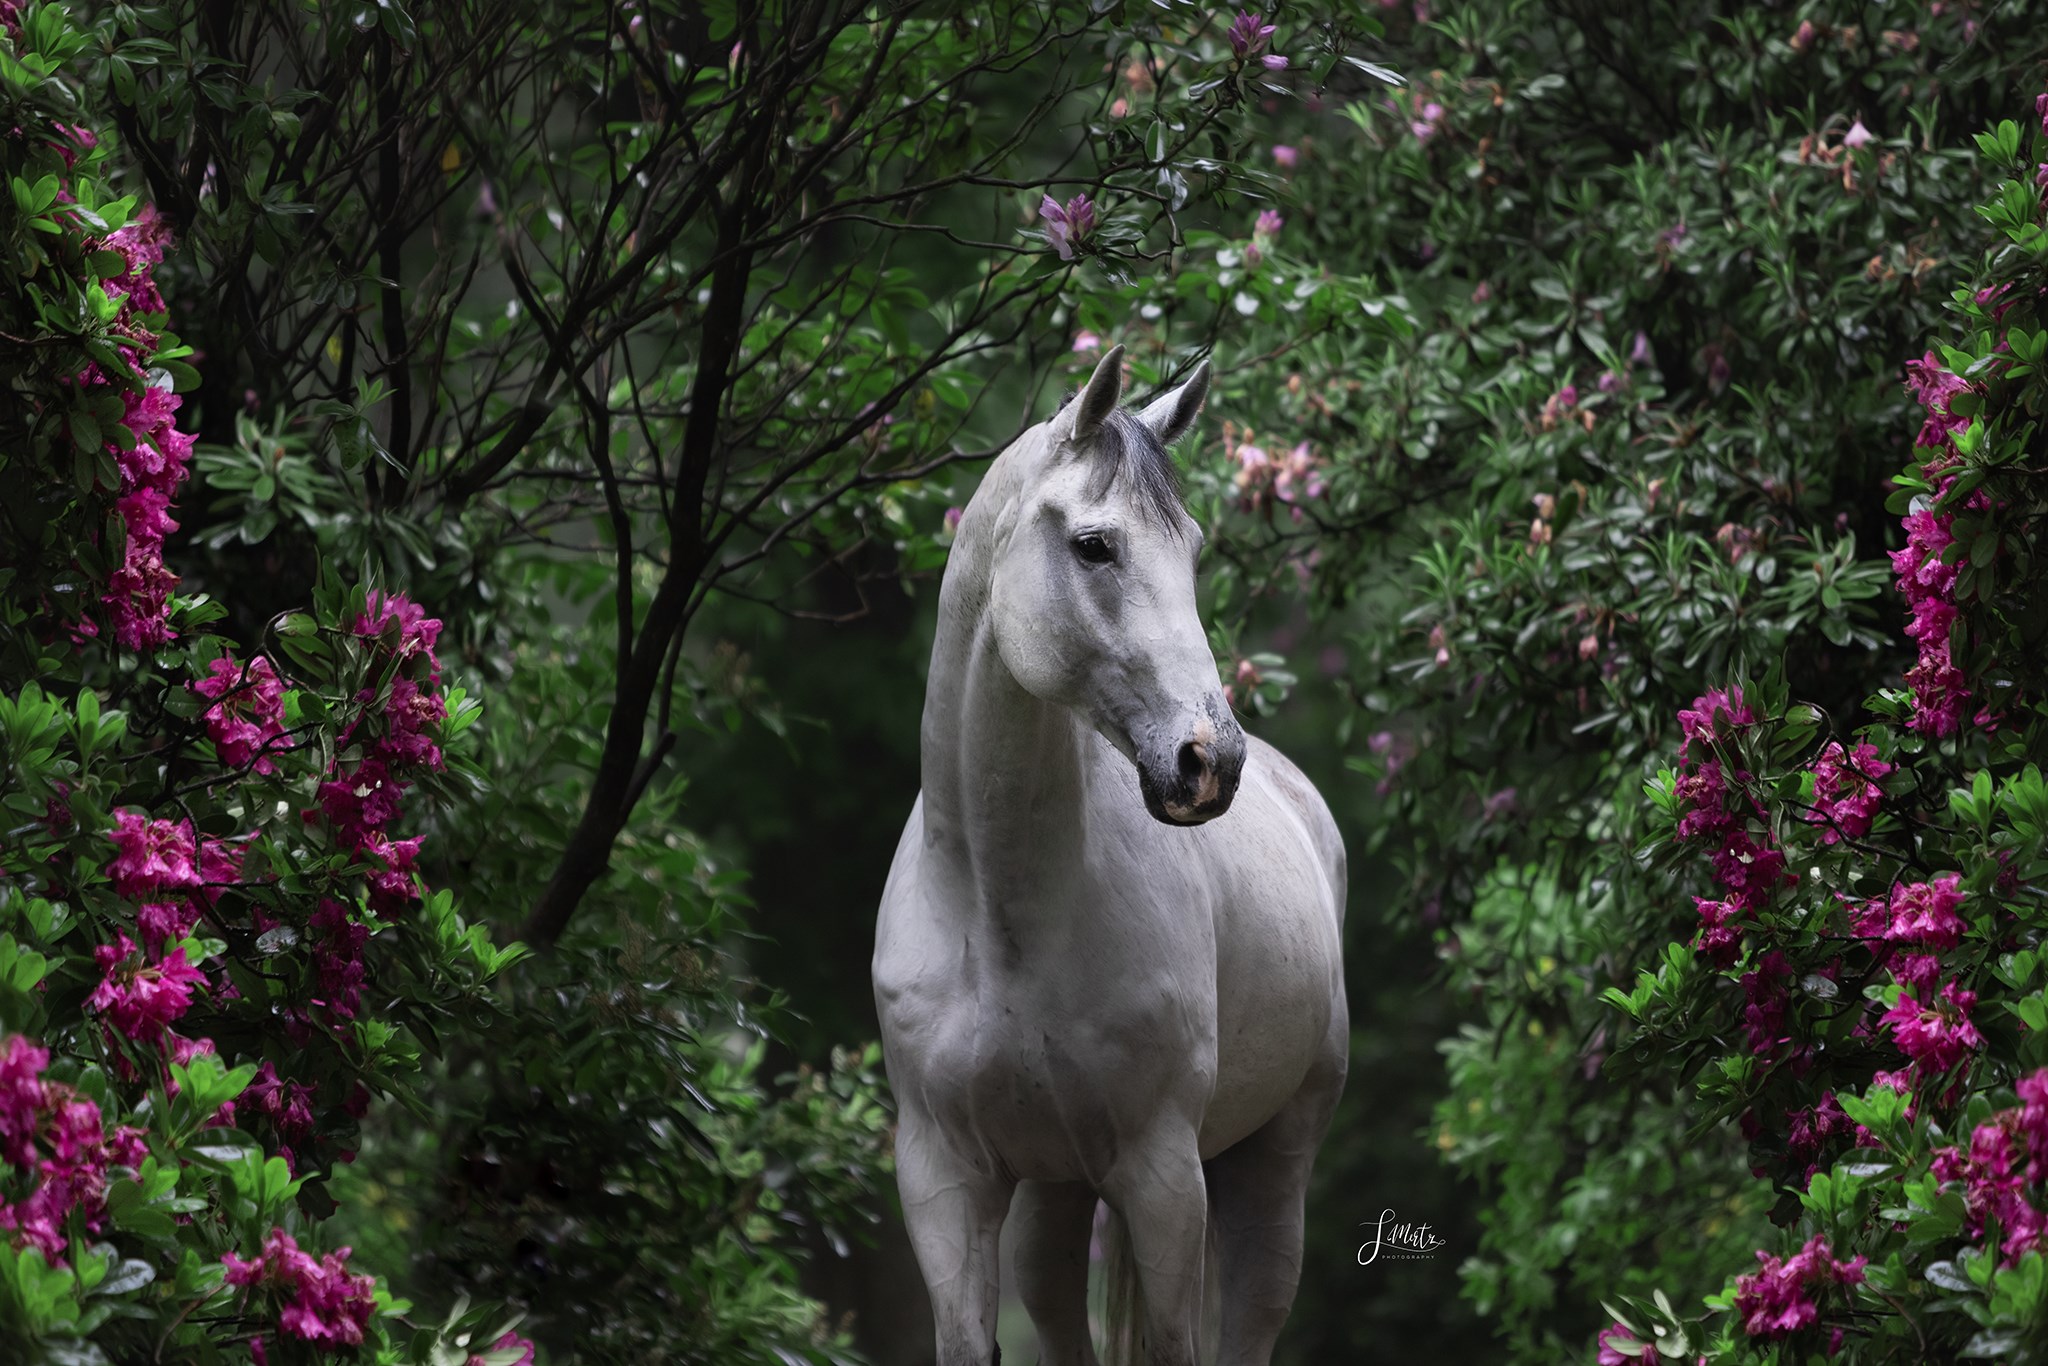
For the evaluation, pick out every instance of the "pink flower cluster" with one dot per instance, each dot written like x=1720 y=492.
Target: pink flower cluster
x=2008 y=1153
x=1922 y=913
x=1066 y=225
x=1264 y=480
x=510 y=1342
x=286 y=1104
x=1750 y=871
x=141 y=998
x=247 y=714
x=137 y=597
x=1926 y=574
x=1613 y=1352
x=1937 y=1035
x=327 y=1303
x=1777 y=1299
x=1248 y=38
x=1265 y=228
x=54 y=1150
x=162 y=865
x=361 y=804
x=1845 y=791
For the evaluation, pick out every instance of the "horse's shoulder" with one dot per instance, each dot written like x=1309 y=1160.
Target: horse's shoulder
x=1303 y=801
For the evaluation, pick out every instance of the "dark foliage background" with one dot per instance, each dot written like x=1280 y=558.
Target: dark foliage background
x=648 y=345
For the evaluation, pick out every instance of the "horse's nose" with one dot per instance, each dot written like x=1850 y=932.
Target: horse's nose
x=1204 y=776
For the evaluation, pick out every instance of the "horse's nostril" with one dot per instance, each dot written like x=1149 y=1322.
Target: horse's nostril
x=1194 y=762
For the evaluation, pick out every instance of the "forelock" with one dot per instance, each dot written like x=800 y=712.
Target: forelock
x=1127 y=452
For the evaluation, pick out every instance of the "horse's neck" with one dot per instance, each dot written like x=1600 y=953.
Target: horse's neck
x=1002 y=770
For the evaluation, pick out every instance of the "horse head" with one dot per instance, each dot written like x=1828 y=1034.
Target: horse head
x=1092 y=595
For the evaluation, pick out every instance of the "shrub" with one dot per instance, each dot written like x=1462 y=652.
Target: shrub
x=214 y=950
x=1866 y=987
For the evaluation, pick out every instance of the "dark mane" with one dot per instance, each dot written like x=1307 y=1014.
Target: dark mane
x=1128 y=450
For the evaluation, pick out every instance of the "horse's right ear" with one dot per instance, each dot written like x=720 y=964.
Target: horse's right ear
x=1088 y=412
x=1171 y=414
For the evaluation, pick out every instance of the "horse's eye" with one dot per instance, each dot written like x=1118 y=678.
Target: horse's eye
x=1093 y=549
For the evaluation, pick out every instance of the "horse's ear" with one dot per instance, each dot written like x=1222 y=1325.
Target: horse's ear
x=1099 y=399
x=1171 y=414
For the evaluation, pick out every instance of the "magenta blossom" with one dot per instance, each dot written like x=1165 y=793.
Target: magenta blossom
x=1921 y=913
x=1066 y=225
x=1248 y=37
x=328 y=1303
x=1846 y=796
x=142 y=999
x=1937 y=1036
x=1619 y=1346
x=247 y=711
x=1776 y=1300
x=511 y=1342
x=405 y=625
x=154 y=855
x=1711 y=717
x=1286 y=157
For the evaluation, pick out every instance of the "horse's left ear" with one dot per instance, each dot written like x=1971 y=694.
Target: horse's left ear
x=1171 y=414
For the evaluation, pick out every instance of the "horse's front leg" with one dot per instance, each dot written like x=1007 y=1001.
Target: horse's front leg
x=1158 y=1188
x=955 y=1217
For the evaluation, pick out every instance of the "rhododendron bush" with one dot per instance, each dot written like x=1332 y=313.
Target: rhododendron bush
x=215 y=951
x=1865 y=989
x=1583 y=476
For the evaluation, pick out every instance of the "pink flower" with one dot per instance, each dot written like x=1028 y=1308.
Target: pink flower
x=1273 y=61
x=1612 y=1355
x=159 y=922
x=1938 y=1036
x=393 y=890
x=412 y=634
x=22 y=1098
x=1712 y=717
x=1085 y=342
x=362 y=803
x=154 y=855
x=1430 y=119
x=142 y=999
x=1751 y=871
x=1066 y=225
x=141 y=245
x=1917 y=913
x=247 y=711
x=328 y=1302
x=1857 y=135
x=1268 y=223
x=1247 y=35
x=507 y=1343
x=1720 y=938
x=1764 y=1016
x=1846 y=796
x=1286 y=157
x=1776 y=1301
x=338 y=957
x=138 y=597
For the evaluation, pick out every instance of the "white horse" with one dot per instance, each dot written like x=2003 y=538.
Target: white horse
x=1078 y=998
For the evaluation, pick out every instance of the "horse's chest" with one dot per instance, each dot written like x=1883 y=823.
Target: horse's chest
x=1041 y=1075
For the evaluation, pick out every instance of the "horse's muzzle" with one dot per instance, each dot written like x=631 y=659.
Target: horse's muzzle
x=1194 y=780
